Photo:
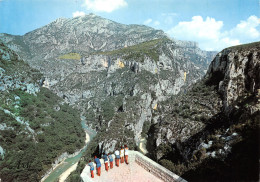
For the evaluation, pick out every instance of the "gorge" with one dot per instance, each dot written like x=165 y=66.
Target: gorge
x=129 y=82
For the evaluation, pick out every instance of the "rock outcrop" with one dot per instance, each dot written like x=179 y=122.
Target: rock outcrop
x=236 y=71
x=214 y=121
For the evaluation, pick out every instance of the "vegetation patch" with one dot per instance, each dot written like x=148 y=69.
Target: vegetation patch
x=73 y=56
x=138 y=52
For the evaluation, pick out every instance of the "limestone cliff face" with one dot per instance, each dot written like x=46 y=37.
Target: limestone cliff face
x=211 y=121
x=112 y=84
x=19 y=76
x=236 y=71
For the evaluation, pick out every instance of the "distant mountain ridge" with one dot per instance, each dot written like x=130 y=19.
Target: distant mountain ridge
x=89 y=33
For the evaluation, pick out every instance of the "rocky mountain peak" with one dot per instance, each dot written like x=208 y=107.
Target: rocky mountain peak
x=86 y=34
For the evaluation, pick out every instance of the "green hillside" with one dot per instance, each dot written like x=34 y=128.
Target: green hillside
x=36 y=125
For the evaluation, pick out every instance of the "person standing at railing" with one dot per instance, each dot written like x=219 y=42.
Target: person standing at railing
x=91 y=165
x=110 y=160
x=97 y=161
x=105 y=160
x=122 y=151
x=126 y=154
x=117 y=157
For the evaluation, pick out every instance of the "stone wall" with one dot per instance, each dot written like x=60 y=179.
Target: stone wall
x=146 y=163
x=156 y=169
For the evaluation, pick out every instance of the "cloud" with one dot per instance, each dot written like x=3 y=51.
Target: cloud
x=78 y=13
x=105 y=5
x=210 y=36
x=148 y=21
x=247 y=30
x=151 y=22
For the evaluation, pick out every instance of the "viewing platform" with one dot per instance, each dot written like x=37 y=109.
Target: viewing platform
x=139 y=169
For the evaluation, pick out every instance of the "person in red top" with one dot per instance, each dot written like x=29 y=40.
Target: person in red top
x=126 y=154
x=122 y=151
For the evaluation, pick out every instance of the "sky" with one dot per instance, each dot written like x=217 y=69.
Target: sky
x=214 y=24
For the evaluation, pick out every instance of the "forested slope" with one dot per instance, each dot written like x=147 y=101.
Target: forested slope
x=36 y=126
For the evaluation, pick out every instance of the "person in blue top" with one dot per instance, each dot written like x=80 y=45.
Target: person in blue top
x=91 y=165
x=97 y=161
x=110 y=160
x=105 y=160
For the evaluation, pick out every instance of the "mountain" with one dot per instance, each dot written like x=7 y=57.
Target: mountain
x=211 y=133
x=110 y=71
x=36 y=126
x=116 y=76
x=128 y=82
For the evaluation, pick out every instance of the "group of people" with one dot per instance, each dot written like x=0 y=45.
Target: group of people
x=121 y=155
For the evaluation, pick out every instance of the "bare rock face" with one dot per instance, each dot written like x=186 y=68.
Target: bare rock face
x=236 y=71
x=21 y=79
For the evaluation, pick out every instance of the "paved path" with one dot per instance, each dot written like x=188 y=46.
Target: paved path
x=126 y=173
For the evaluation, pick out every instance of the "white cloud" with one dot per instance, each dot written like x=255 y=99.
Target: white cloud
x=197 y=28
x=151 y=22
x=247 y=30
x=148 y=21
x=105 y=5
x=210 y=36
x=78 y=13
